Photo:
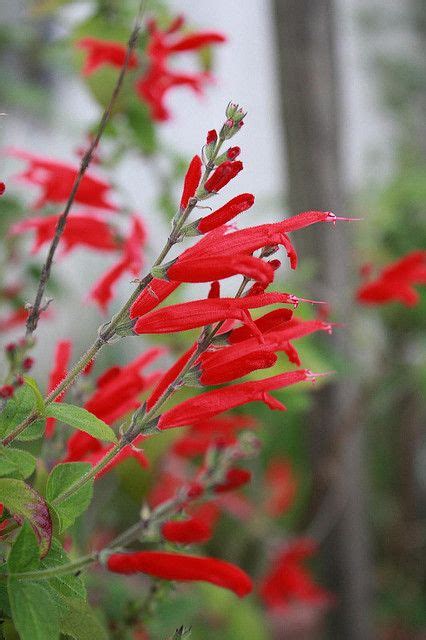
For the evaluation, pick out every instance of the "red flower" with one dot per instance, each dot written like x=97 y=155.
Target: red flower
x=233 y=152
x=56 y=180
x=280 y=487
x=265 y=235
x=191 y=182
x=119 y=388
x=198 y=313
x=104 y=52
x=2 y=188
x=186 y=531
x=58 y=373
x=83 y=447
x=81 y=229
x=224 y=173
x=159 y=77
x=131 y=261
x=395 y=282
x=226 y=213
x=235 y=478
x=229 y=363
x=288 y=581
x=176 y=566
x=168 y=377
x=220 y=431
x=213 y=402
x=217 y=268
x=195 y=41
x=158 y=290
x=14 y=319
x=211 y=137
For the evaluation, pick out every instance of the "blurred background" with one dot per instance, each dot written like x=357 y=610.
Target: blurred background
x=336 y=94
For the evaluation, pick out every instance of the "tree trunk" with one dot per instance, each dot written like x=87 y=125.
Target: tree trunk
x=310 y=100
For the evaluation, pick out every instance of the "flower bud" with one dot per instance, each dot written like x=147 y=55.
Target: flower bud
x=231 y=154
x=27 y=363
x=6 y=391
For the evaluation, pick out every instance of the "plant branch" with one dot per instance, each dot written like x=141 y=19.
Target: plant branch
x=36 y=307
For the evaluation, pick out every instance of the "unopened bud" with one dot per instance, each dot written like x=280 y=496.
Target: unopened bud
x=6 y=391
x=27 y=363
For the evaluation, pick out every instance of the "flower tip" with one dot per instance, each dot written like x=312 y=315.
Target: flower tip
x=312 y=377
x=331 y=217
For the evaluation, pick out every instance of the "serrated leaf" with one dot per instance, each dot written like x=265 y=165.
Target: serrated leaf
x=34 y=613
x=81 y=419
x=69 y=586
x=16 y=410
x=38 y=397
x=22 y=500
x=24 y=555
x=59 y=480
x=80 y=622
x=16 y=463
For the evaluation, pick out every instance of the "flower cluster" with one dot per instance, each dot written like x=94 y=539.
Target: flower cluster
x=160 y=76
x=395 y=283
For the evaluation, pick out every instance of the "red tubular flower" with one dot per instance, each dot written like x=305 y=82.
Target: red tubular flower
x=226 y=213
x=211 y=137
x=199 y=313
x=273 y=320
x=191 y=182
x=235 y=478
x=62 y=358
x=118 y=389
x=2 y=188
x=288 y=581
x=229 y=363
x=395 y=282
x=13 y=319
x=81 y=447
x=195 y=41
x=280 y=487
x=186 y=531
x=159 y=77
x=81 y=229
x=217 y=401
x=219 y=431
x=169 y=376
x=158 y=290
x=131 y=261
x=233 y=152
x=224 y=173
x=265 y=235
x=176 y=566
x=56 y=180
x=104 y=52
x=217 y=268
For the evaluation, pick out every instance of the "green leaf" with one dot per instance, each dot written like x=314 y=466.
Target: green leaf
x=142 y=126
x=69 y=586
x=38 y=397
x=16 y=463
x=16 y=410
x=34 y=612
x=59 y=480
x=81 y=419
x=24 y=501
x=80 y=622
x=25 y=555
